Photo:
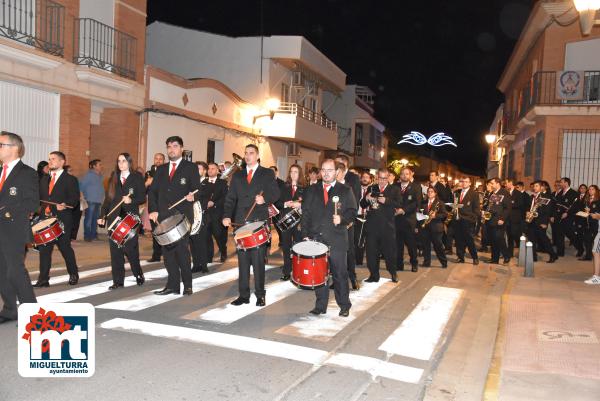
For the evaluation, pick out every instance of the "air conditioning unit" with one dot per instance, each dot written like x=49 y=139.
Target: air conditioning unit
x=293 y=149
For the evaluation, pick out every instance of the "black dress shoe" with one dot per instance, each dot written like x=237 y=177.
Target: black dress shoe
x=579 y=254
x=285 y=277
x=475 y=262
x=115 y=286
x=371 y=280
x=239 y=301
x=415 y=268
x=260 y=301
x=317 y=311
x=166 y=291
x=444 y=265
x=152 y=260
x=187 y=291
x=73 y=279
x=355 y=285
x=506 y=261
x=459 y=260
x=41 y=284
x=553 y=259
x=394 y=277
x=204 y=269
x=5 y=319
x=223 y=258
x=140 y=280
x=344 y=312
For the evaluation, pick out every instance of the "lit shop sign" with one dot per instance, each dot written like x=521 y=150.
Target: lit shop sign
x=437 y=139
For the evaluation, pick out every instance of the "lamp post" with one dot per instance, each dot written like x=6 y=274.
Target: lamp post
x=587 y=14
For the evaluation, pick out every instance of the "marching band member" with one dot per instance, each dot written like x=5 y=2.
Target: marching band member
x=431 y=229
x=252 y=186
x=536 y=229
x=319 y=221
x=159 y=160
x=484 y=202
x=465 y=219
x=199 y=240
x=214 y=211
x=380 y=225
x=515 y=227
x=563 y=220
x=499 y=207
x=173 y=181
x=19 y=198
x=127 y=186
x=594 y=217
x=313 y=175
x=406 y=219
x=63 y=189
x=580 y=223
x=360 y=232
x=290 y=198
x=591 y=205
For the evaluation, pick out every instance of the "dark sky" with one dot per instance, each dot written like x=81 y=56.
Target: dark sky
x=434 y=65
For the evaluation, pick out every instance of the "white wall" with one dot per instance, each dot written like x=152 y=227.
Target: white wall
x=100 y=10
x=583 y=55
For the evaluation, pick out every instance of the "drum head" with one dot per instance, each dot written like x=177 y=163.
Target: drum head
x=44 y=224
x=310 y=248
x=249 y=228
x=168 y=223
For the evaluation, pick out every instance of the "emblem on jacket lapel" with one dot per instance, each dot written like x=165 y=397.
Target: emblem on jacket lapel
x=130 y=191
x=183 y=181
x=12 y=191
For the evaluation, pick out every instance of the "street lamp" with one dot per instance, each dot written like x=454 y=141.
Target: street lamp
x=382 y=153
x=272 y=105
x=490 y=138
x=587 y=14
x=404 y=162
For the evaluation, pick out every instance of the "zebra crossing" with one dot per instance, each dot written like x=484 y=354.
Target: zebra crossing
x=418 y=337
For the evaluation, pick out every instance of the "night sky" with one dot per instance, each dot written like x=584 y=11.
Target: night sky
x=434 y=65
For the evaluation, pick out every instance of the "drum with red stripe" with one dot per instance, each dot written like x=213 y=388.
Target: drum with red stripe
x=124 y=229
x=46 y=231
x=252 y=235
x=309 y=264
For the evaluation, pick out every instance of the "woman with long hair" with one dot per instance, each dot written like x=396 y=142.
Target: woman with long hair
x=594 y=217
x=432 y=229
x=580 y=223
x=126 y=186
x=290 y=198
x=591 y=205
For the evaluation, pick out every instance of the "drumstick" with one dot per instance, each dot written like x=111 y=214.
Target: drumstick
x=112 y=224
x=252 y=208
x=55 y=204
x=180 y=200
x=116 y=207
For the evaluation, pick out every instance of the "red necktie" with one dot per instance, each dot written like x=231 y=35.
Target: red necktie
x=381 y=189
x=429 y=205
x=4 y=170
x=249 y=176
x=325 y=193
x=293 y=191
x=122 y=180
x=462 y=195
x=172 y=173
x=50 y=188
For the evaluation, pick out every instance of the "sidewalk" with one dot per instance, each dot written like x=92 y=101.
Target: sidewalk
x=548 y=340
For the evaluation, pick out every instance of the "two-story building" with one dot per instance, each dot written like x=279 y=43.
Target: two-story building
x=72 y=77
x=551 y=114
x=219 y=93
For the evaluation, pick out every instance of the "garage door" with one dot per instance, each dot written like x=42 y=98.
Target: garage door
x=33 y=114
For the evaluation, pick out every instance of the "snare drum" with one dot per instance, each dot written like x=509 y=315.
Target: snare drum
x=46 y=231
x=252 y=235
x=124 y=229
x=309 y=264
x=171 y=229
x=289 y=220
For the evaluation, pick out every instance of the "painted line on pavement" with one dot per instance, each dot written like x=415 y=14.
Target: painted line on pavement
x=87 y=273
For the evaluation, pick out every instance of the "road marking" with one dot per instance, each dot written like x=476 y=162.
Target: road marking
x=325 y=327
x=421 y=331
x=314 y=356
x=87 y=273
x=227 y=313
x=149 y=299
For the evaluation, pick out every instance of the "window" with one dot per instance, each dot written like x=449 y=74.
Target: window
x=285 y=93
x=510 y=165
x=528 y=157
x=358 y=139
x=210 y=151
x=539 y=150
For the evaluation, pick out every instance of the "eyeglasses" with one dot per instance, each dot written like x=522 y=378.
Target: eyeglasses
x=382 y=178
x=6 y=144
x=328 y=170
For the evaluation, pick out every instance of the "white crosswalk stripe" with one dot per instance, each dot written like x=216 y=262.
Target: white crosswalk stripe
x=87 y=273
x=149 y=299
x=325 y=327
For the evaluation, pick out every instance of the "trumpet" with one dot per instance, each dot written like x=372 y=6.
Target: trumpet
x=236 y=164
x=430 y=216
x=486 y=215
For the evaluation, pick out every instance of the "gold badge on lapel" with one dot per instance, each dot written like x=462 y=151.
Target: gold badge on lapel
x=183 y=181
x=12 y=191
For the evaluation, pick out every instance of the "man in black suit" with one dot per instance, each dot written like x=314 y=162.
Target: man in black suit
x=360 y=228
x=406 y=219
x=19 y=198
x=500 y=208
x=159 y=160
x=352 y=180
x=199 y=240
x=214 y=210
x=515 y=227
x=464 y=220
x=62 y=189
x=173 y=181
x=381 y=202
x=536 y=230
x=253 y=185
x=319 y=222
x=565 y=219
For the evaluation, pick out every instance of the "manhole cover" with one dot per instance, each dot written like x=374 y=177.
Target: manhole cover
x=566 y=336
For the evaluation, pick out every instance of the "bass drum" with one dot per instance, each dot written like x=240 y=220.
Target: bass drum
x=171 y=229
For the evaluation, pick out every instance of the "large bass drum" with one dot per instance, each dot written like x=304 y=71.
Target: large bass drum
x=171 y=229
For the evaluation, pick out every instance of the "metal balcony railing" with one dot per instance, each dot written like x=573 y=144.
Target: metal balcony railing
x=37 y=23
x=101 y=46
x=307 y=114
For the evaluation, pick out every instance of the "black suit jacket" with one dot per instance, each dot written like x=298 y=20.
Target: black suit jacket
x=353 y=181
x=517 y=207
x=218 y=192
x=382 y=217
x=317 y=218
x=544 y=211
x=241 y=195
x=437 y=224
x=19 y=198
x=443 y=192
x=470 y=210
x=134 y=185
x=285 y=195
x=565 y=201
x=66 y=190
x=164 y=192
x=500 y=208
x=410 y=200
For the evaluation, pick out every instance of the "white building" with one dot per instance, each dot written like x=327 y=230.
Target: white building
x=237 y=76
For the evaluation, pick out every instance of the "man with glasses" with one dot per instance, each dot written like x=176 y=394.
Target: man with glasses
x=19 y=197
x=381 y=202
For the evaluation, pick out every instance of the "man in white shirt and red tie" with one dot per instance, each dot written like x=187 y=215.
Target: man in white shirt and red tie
x=464 y=219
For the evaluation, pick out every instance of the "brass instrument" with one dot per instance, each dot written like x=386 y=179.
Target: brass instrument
x=430 y=216
x=236 y=164
x=486 y=215
x=451 y=213
x=374 y=195
x=531 y=214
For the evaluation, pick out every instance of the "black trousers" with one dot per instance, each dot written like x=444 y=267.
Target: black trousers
x=156 y=248
x=359 y=252
x=76 y=221
x=341 y=289
x=429 y=237
x=199 y=248
x=351 y=262
x=464 y=232
x=216 y=231
x=178 y=264
x=405 y=235
x=64 y=246
x=567 y=229
x=498 y=239
x=117 y=259
x=15 y=283
x=514 y=230
x=288 y=239
x=254 y=257
x=485 y=236
x=448 y=238
x=538 y=237
x=381 y=241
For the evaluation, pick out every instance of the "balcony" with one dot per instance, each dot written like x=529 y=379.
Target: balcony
x=36 y=23
x=103 y=47
x=307 y=114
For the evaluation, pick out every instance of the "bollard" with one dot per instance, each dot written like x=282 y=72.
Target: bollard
x=521 y=261
x=529 y=260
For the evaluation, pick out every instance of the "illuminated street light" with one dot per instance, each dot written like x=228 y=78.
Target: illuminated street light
x=490 y=138
x=404 y=162
x=587 y=14
x=272 y=105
